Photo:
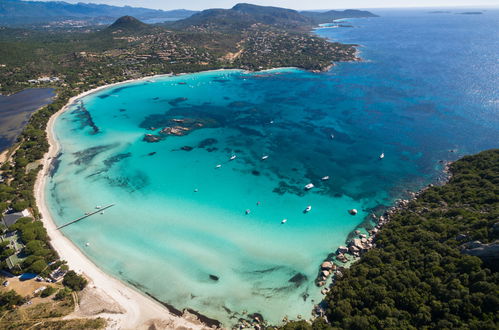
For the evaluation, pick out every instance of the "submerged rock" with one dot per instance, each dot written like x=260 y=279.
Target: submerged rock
x=151 y=138
x=298 y=279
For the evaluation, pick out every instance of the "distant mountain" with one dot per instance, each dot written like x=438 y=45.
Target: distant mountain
x=17 y=12
x=329 y=16
x=244 y=15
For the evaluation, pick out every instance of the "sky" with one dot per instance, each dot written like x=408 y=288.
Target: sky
x=294 y=4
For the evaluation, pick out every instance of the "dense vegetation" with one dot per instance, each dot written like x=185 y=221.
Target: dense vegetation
x=418 y=276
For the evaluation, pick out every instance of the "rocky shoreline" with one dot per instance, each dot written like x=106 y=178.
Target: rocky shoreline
x=358 y=243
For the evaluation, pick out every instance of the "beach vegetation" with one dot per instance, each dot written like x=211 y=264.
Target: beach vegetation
x=74 y=281
x=50 y=290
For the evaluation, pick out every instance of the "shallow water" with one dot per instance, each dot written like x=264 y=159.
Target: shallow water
x=178 y=219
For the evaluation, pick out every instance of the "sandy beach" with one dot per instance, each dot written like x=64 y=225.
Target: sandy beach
x=123 y=306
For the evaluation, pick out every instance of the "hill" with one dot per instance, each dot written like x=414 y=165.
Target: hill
x=243 y=16
x=329 y=16
x=17 y=12
x=129 y=24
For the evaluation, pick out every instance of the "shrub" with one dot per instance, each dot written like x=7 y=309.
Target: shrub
x=74 y=281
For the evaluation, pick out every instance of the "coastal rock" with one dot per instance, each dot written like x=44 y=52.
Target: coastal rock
x=341 y=257
x=341 y=250
x=354 y=250
x=175 y=130
x=472 y=245
x=151 y=138
x=355 y=242
x=495 y=227
x=327 y=265
x=489 y=253
x=325 y=273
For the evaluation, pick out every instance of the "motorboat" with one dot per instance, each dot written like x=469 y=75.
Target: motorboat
x=233 y=157
x=265 y=157
x=218 y=166
x=382 y=155
x=308 y=209
x=325 y=178
x=284 y=221
x=248 y=211
x=332 y=136
x=309 y=186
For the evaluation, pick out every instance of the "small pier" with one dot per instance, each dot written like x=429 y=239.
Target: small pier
x=85 y=216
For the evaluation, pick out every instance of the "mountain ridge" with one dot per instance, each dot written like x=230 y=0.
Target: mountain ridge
x=17 y=12
x=244 y=15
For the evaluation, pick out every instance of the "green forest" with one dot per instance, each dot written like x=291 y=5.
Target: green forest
x=419 y=276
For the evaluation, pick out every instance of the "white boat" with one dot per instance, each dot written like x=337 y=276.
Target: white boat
x=218 y=166
x=309 y=186
x=332 y=136
x=265 y=157
x=271 y=121
x=87 y=244
x=324 y=178
x=196 y=190
x=233 y=157
x=98 y=207
x=308 y=209
x=382 y=155
x=284 y=221
x=248 y=211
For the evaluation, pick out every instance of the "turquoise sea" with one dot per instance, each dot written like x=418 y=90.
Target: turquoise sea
x=426 y=92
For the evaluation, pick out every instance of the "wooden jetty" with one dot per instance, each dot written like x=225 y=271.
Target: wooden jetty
x=85 y=216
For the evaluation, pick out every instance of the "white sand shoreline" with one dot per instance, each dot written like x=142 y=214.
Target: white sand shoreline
x=139 y=310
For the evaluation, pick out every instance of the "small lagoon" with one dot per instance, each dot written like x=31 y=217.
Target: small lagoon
x=180 y=231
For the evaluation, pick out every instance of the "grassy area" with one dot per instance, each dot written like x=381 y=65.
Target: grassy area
x=47 y=315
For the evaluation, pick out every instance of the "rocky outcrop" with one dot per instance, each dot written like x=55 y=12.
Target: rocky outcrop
x=489 y=253
x=151 y=138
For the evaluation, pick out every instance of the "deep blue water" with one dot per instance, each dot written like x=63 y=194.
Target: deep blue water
x=426 y=92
